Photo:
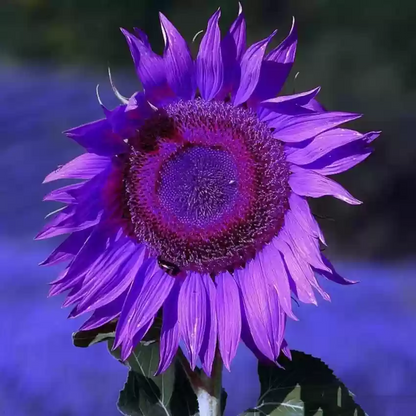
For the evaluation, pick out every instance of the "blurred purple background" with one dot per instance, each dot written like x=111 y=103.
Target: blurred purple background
x=49 y=68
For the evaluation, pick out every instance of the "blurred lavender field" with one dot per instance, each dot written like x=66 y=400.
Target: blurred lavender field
x=365 y=334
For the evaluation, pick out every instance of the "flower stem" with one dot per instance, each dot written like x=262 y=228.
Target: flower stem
x=208 y=390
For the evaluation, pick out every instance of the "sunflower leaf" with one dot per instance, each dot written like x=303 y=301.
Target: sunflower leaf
x=305 y=386
x=84 y=339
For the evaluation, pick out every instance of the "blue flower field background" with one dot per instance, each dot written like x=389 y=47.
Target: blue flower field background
x=52 y=56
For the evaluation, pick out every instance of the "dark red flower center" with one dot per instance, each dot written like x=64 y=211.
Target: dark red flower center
x=206 y=185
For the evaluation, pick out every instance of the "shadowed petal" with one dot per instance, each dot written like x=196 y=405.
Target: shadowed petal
x=333 y=275
x=209 y=65
x=193 y=314
x=233 y=47
x=250 y=70
x=308 y=183
x=178 y=61
x=150 y=68
x=275 y=68
x=229 y=317
x=98 y=137
x=285 y=101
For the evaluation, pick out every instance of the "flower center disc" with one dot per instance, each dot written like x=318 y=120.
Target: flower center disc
x=198 y=185
x=206 y=185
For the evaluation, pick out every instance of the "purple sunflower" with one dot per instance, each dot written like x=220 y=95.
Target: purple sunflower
x=193 y=199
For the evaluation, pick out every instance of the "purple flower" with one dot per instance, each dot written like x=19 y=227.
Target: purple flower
x=193 y=199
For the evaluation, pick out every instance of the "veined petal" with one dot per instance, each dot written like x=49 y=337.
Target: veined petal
x=68 y=249
x=98 y=137
x=322 y=144
x=209 y=343
x=250 y=70
x=178 y=61
x=169 y=337
x=308 y=183
x=303 y=126
x=85 y=166
x=155 y=290
x=150 y=68
x=129 y=306
x=193 y=314
x=104 y=314
x=262 y=308
x=64 y=194
x=209 y=65
x=275 y=69
x=229 y=317
x=110 y=277
x=306 y=245
x=274 y=270
x=302 y=213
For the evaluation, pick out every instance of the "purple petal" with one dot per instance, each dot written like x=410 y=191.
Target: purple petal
x=85 y=166
x=302 y=288
x=322 y=144
x=178 y=61
x=273 y=268
x=303 y=126
x=250 y=70
x=98 y=137
x=233 y=47
x=192 y=313
x=333 y=275
x=122 y=330
x=300 y=209
x=68 y=249
x=285 y=101
x=209 y=343
x=112 y=276
x=265 y=318
x=301 y=242
x=63 y=194
x=150 y=68
x=104 y=314
x=93 y=248
x=209 y=65
x=86 y=213
x=169 y=338
x=314 y=105
x=229 y=317
x=275 y=69
x=308 y=183
x=130 y=343
x=343 y=158
x=155 y=290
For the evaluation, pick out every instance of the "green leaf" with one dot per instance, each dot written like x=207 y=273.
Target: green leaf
x=85 y=339
x=305 y=386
